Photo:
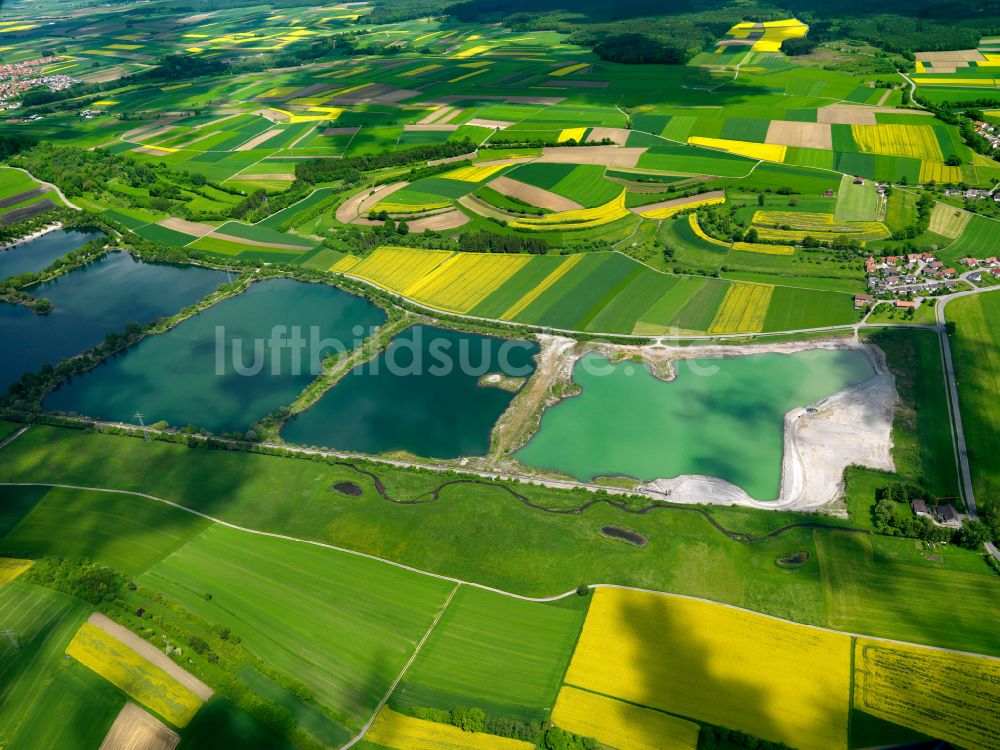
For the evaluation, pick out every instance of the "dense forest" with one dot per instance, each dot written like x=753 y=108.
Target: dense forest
x=672 y=31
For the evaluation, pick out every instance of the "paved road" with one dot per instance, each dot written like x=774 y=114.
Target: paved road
x=51 y=186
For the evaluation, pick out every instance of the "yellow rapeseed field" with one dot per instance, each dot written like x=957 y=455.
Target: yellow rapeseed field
x=572 y=134
x=465 y=280
x=665 y=213
x=345 y=263
x=409 y=208
x=401 y=732
x=917 y=141
x=561 y=270
x=11 y=568
x=569 y=69
x=696 y=228
x=955 y=697
x=580 y=218
x=395 y=268
x=743 y=309
x=623 y=725
x=765 y=151
x=774 y=679
x=418 y=71
x=473 y=173
x=774 y=33
x=939 y=172
x=144 y=682
x=472 y=51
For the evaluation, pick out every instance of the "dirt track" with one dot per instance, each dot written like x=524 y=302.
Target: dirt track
x=536 y=196
x=610 y=156
x=134 y=729
x=152 y=654
x=358 y=205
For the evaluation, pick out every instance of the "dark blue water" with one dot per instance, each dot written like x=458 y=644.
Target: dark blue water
x=91 y=302
x=33 y=256
x=412 y=400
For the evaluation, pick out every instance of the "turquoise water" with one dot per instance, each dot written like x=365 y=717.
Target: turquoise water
x=33 y=256
x=91 y=302
x=185 y=377
x=718 y=417
x=420 y=408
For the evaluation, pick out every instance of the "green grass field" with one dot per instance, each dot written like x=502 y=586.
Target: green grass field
x=504 y=655
x=528 y=551
x=977 y=240
x=976 y=351
x=47 y=700
x=871 y=592
x=347 y=625
x=123 y=531
x=922 y=447
x=856 y=202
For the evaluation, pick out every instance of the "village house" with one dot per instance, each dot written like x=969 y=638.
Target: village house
x=862 y=301
x=920 y=508
x=947 y=516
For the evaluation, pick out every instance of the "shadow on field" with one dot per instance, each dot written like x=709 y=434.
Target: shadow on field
x=675 y=672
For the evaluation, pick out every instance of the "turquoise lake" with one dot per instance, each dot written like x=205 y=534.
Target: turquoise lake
x=419 y=407
x=91 y=302
x=718 y=417
x=218 y=369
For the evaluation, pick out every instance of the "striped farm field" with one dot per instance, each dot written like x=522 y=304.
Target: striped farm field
x=948 y=221
x=396 y=268
x=583 y=218
x=666 y=209
x=561 y=270
x=951 y=696
x=771 y=226
x=400 y=732
x=143 y=681
x=464 y=280
x=765 y=151
x=977 y=240
x=11 y=568
x=618 y=724
x=938 y=171
x=746 y=247
x=473 y=173
x=918 y=141
x=600 y=292
x=743 y=309
x=771 y=678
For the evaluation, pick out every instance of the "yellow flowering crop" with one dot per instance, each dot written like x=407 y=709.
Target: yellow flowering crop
x=11 y=568
x=401 y=732
x=561 y=270
x=955 y=697
x=939 y=172
x=395 y=268
x=569 y=69
x=765 y=151
x=743 y=309
x=693 y=202
x=580 y=218
x=144 y=682
x=473 y=173
x=618 y=724
x=465 y=280
x=725 y=666
x=572 y=134
x=919 y=141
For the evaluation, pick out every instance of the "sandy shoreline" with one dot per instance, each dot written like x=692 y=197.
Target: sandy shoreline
x=33 y=236
x=850 y=427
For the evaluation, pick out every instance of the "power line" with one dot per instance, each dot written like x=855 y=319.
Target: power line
x=137 y=417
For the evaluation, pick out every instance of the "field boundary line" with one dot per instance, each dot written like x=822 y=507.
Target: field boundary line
x=10 y=439
x=402 y=673
x=482 y=586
